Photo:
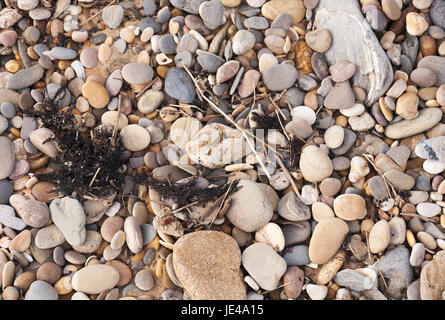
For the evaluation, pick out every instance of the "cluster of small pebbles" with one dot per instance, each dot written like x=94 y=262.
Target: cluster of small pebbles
x=342 y=200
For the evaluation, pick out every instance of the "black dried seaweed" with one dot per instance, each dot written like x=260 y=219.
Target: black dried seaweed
x=266 y=122
x=184 y=194
x=87 y=164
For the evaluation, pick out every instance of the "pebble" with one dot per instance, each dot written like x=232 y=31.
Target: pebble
x=96 y=94
x=350 y=207
x=279 y=77
x=297 y=255
x=134 y=137
x=242 y=42
x=61 y=53
x=340 y=96
x=8 y=218
x=68 y=215
x=379 y=237
x=319 y=40
x=416 y=24
x=41 y=290
x=396 y=269
x=327 y=238
x=137 y=73
x=212 y=13
x=316 y=291
x=113 y=16
x=428 y=210
x=93 y=279
x=417 y=255
x=334 y=136
x=292 y=208
x=426 y=119
x=432 y=282
x=133 y=234
x=315 y=172
x=353 y=280
x=7 y=161
x=179 y=85
x=194 y=253
x=252 y=214
x=92 y=242
x=274 y=8
x=25 y=78
x=264 y=265
x=89 y=57
x=342 y=71
x=27 y=4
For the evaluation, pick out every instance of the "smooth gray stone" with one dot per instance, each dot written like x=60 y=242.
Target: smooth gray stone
x=297 y=256
x=148 y=233
x=25 y=78
x=436 y=64
x=8 y=218
x=353 y=280
x=179 y=85
x=437 y=13
x=210 y=62
x=41 y=290
x=396 y=270
x=410 y=47
x=291 y=208
x=296 y=233
x=361 y=47
x=61 y=53
x=433 y=230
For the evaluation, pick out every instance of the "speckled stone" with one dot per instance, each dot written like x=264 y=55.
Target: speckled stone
x=208 y=264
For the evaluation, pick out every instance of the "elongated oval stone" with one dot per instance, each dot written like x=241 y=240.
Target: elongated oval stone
x=426 y=119
x=25 y=78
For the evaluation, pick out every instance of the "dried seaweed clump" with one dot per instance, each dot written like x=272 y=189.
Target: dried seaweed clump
x=88 y=163
x=184 y=194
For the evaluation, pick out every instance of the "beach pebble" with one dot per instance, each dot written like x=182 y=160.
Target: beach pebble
x=113 y=16
x=264 y=265
x=252 y=214
x=92 y=279
x=134 y=137
x=318 y=170
x=242 y=42
x=194 y=253
x=327 y=238
x=280 y=77
x=68 y=215
x=319 y=40
x=41 y=290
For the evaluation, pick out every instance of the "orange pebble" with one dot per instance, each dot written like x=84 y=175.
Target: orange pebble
x=154 y=148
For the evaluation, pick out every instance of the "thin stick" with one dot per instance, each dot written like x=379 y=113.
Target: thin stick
x=147 y=87
x=282 y=127
x=283 y=167
x=94 y=177
x=276 y=107
x=228 y=118
x=186 y=206
x=243 y=131
x=99 y=12
x=222 y=202
x=279 y=287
